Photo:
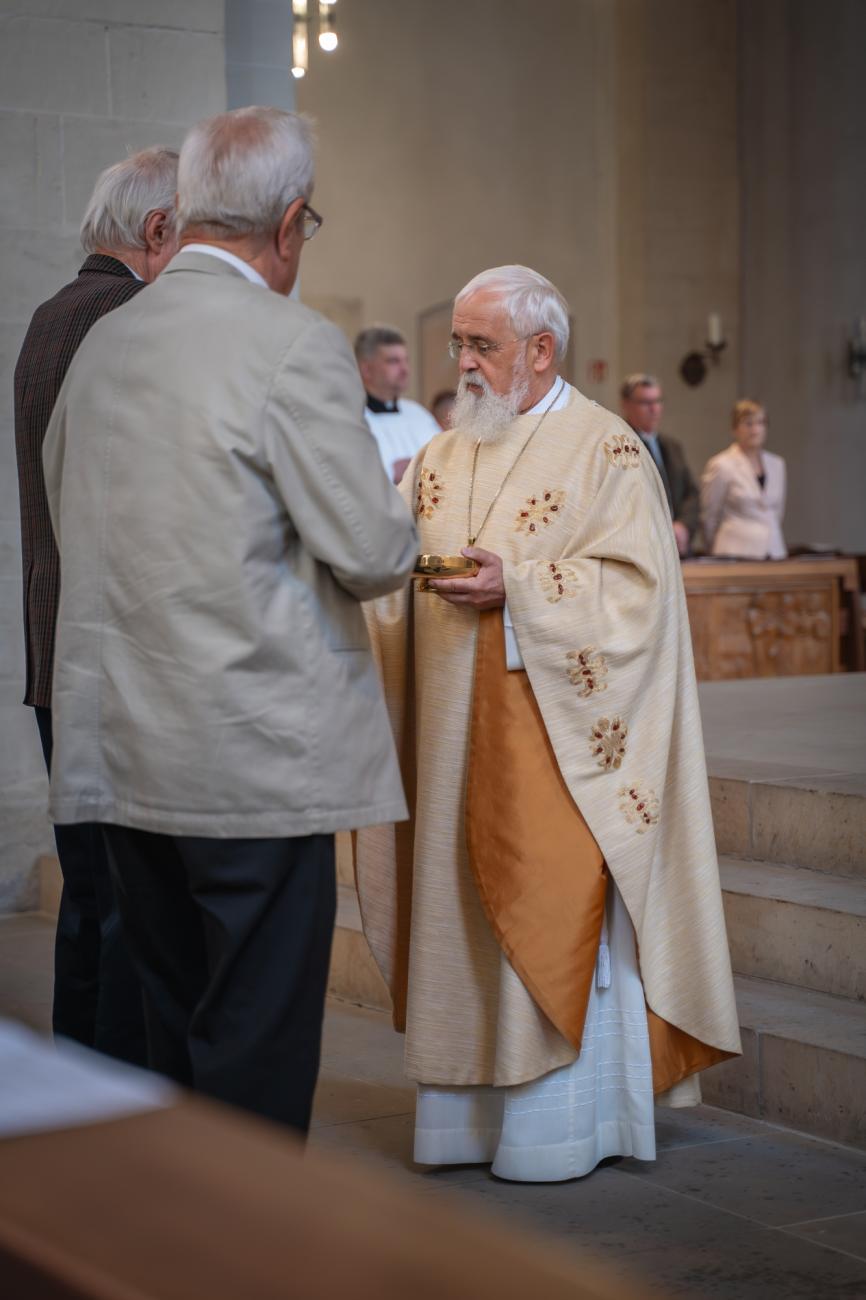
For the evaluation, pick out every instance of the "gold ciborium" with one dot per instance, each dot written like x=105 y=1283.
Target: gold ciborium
x=442 y=566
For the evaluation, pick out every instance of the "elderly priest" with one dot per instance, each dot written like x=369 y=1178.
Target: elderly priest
x=550 y=922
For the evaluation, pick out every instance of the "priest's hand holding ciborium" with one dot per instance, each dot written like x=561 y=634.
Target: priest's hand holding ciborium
x=473 y=578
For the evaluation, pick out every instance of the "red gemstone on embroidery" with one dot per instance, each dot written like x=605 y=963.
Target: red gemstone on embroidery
x=532 y=528
x=524 y=514
x=554 y=507
x=547 y=496
x=435 y=501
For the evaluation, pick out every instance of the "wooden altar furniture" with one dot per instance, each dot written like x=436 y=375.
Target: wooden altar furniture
x=774 y=618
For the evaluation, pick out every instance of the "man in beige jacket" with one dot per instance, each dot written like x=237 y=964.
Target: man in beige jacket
x=221 y=512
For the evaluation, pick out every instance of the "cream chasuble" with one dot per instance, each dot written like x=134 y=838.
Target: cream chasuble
x=596 y=599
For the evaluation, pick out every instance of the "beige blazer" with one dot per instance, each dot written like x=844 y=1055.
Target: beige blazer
x=221 y=511
x=738 y=516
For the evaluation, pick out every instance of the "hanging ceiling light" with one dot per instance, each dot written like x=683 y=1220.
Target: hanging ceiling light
x=328 y=38
x=300 y=38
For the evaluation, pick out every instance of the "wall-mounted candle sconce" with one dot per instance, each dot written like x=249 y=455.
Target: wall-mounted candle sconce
x=857 y=354
x=693 y=366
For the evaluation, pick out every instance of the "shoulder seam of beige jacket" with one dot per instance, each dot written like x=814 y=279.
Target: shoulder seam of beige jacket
x=221 y=512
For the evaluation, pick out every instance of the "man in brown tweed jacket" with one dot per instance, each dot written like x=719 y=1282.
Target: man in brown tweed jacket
x=128 y=232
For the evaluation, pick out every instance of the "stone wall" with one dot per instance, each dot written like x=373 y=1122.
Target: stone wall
x=595 y=140
x=81 y=83
x=803 y=146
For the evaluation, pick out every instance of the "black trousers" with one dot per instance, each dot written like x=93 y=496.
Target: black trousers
x=232 y=941
x=97 y=993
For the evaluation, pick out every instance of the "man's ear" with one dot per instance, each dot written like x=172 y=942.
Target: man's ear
x=286 y=230
x=156 y=229
x=545 y=351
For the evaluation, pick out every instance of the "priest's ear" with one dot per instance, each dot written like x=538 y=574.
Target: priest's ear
x=543 y=354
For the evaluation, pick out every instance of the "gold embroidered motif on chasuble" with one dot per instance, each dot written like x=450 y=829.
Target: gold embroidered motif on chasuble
x=587 y=670
x=623 y=451
x=557 y=581
x=607 y=742
x=640 y=806
x=429 y=493
x=539 y=511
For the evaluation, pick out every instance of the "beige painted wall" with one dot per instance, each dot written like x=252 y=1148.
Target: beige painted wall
x=804 y=251
x=461 y=135
x=678 y=205
x=593 y=139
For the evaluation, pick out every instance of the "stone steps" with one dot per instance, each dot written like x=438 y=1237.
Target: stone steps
x=803 y=1062
x=813 y=823
x=795 y=926
x=804 y=1049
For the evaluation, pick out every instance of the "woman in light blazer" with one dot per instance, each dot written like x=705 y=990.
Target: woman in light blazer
x=743 y=492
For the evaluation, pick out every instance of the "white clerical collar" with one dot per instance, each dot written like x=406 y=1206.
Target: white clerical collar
x=130 y=270
x=213 y=250
x=563 y=397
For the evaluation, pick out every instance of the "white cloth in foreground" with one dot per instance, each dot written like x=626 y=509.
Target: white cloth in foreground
x=561 y=1125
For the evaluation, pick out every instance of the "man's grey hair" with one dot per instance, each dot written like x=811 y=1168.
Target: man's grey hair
x=239 y=171
x=532 y=303
x=374 y=337
x=631 y=383
x=124 y=197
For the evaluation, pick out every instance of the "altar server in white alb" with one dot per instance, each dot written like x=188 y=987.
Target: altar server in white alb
x=550 y=921
x=400 y=426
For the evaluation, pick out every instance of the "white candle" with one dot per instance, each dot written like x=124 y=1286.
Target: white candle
x=714 y=328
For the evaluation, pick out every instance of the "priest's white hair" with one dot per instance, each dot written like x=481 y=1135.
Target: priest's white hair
x=124 y=196
x=532 y=303
x=239 y=171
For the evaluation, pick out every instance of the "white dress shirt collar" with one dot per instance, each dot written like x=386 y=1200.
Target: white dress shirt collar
x=213 y=250
x=563 y=397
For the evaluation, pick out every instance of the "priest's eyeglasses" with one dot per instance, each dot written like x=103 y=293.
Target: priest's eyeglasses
x=480 y=347
x=312 y=222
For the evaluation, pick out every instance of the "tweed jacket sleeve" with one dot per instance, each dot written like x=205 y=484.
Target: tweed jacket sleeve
x=327 y=467
x=56 y=331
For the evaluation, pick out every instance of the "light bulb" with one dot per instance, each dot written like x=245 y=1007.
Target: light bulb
x=328 y=41
x=300 y=50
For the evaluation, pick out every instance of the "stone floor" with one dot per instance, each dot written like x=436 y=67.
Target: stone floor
x=731 y=1208
x=788 y=731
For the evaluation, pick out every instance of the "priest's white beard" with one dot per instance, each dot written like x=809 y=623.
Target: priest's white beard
x=485 y=417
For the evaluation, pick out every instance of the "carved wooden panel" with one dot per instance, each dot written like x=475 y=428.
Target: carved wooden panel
x=764 y=633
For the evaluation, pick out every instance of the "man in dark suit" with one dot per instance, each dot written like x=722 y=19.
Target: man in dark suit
x=642 y=406
x=129 y=234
